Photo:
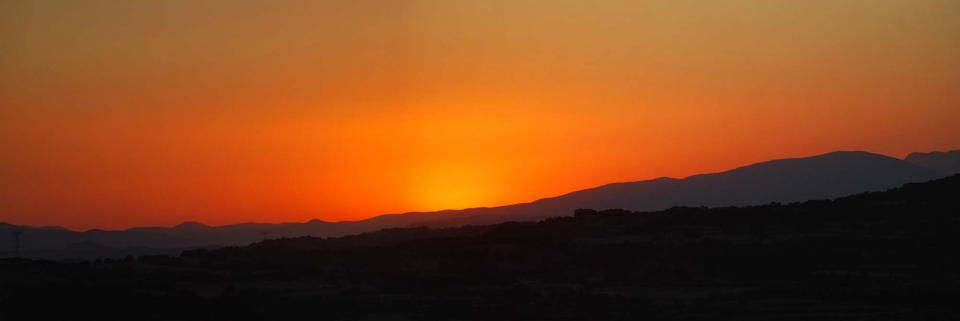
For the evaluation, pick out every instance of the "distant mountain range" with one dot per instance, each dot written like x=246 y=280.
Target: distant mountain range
x=888 y=255
x=824 y=176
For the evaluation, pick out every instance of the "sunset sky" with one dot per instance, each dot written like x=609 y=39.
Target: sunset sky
x=125 y=113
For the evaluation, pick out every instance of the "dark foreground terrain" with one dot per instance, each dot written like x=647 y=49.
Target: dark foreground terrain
x=891 y=255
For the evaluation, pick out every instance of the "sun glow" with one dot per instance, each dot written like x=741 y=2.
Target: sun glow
x=276 y=111
x=453 y=187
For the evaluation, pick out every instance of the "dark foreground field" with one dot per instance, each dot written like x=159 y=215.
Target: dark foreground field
x=892 y=255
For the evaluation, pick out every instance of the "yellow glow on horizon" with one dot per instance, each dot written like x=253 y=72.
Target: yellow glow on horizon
x=452 y=187
x=125 y=113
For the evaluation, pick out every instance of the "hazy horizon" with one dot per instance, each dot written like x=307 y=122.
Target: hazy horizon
x=119 y=114
x=360 y=218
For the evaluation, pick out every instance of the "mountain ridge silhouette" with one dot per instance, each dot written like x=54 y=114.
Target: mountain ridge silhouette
x=786 y=180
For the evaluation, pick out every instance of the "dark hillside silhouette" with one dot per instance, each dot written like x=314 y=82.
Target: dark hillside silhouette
x=786 y=180
x=944 y=162
x=889 y=255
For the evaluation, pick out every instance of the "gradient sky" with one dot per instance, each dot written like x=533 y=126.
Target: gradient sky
x=122 y=113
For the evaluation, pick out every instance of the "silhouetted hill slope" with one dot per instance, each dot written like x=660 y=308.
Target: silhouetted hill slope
x=888 y=255
x=787 y=180
x=944 y=162
x=935 y=198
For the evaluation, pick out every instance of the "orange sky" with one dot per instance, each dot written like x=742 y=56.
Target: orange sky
x=123 y=113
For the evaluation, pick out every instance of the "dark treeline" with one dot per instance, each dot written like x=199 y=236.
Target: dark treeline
x=891 y=255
